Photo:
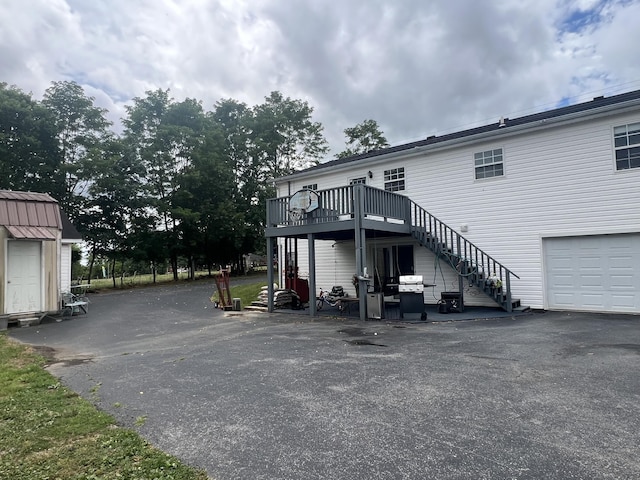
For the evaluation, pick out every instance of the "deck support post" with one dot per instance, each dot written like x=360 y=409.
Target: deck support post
x=270 y=276
x=312 y=274
x=361 y=248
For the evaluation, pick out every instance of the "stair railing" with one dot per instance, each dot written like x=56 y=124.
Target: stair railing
x=468 y=259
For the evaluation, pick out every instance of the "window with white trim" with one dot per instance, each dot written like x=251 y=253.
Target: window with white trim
x=489 y=163
x=311 y=186
x=394 y=180
x=358 y=181
x=626 y=139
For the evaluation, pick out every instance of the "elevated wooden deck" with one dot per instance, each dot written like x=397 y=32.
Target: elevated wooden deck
x=342 y=212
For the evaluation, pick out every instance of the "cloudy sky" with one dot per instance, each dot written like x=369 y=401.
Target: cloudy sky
x=417 y=67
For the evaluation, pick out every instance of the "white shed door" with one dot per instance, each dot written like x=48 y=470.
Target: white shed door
x=24 y=274
x=597 y=273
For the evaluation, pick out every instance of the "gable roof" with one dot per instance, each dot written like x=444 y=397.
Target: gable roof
x=599 y=105
x=69 y=231
x=29 y=215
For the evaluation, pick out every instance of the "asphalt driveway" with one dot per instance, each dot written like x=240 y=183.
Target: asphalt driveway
x=259 y=396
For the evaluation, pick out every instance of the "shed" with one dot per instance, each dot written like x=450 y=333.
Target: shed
x=30 y=245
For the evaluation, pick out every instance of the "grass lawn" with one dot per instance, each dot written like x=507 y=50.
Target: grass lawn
x=48 y=432
x=247 y=293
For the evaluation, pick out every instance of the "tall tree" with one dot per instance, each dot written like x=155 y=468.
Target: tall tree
x=211 y=220
x=29 y=154
x=285 y=137
x=162 y=134
x=117 y=202
x=81 y=127
x=363 y=138
x=277 y=137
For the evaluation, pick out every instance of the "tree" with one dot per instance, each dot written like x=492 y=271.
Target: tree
x=29 y=154
x=81 y=127
x=363 y=138
x=285 y=139
x=162 y=135
x=116 y=203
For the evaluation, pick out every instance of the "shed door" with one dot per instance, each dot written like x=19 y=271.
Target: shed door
x=597 y=273
x=24 y=275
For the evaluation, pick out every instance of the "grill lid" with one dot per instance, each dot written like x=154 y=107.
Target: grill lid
x=405 y=279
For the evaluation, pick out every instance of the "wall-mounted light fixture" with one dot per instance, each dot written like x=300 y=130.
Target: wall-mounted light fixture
x=370 y=173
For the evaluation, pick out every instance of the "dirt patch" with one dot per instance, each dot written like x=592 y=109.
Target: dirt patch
x=58 y=357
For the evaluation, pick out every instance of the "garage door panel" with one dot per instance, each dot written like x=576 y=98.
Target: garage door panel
x=623 y=301
x=593 y=272
x=563 y=299
x=592 y=300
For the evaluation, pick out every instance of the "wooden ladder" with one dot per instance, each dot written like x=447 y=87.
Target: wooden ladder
x=224 y=294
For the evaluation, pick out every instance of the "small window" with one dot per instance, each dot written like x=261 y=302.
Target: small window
x=358 y=181
x=489 y=164
x=394 y=180
x=311 y=186
x=627 y=145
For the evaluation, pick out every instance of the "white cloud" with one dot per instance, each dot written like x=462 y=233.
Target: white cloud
x=416 y=67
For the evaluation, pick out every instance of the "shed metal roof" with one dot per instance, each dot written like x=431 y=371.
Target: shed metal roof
x=31 y=233
x=29 y=209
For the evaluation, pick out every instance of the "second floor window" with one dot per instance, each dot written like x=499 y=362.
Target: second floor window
x=627 y=145
x=394 y=180
x=489 y=163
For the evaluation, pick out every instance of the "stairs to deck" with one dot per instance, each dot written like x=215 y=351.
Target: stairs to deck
x=473 y=265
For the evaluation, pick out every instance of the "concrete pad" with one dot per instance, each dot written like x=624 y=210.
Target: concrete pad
x=265 y=396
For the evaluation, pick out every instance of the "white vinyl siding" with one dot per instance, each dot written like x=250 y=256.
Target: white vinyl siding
x=65 y=267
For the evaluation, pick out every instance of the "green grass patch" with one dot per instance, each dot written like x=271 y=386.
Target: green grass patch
x=136 y=280
x=49 y=432
x=247 y=293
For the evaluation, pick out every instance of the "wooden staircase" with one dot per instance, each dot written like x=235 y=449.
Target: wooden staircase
x=472 y=263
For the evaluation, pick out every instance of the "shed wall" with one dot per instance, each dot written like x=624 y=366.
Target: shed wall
x=3 y=267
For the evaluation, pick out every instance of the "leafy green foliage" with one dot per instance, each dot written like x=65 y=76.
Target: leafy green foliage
x=29 y=157
x=80 y=130
x=363 y=138
x=179 y=183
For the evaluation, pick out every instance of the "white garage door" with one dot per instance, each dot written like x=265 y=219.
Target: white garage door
x=597 y=273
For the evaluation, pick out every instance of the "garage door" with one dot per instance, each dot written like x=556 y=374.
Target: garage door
x=596 y=273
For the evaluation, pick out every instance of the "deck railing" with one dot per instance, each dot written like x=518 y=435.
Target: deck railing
x=337 y=204
x=467 y=258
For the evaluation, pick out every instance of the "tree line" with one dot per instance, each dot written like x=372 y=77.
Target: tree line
x=179 y=184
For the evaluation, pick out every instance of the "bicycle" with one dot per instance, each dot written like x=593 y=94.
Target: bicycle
x=326 y=298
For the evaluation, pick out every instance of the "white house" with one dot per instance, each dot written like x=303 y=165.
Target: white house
x=70 y=236
x=553 y=198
